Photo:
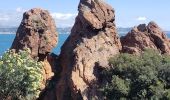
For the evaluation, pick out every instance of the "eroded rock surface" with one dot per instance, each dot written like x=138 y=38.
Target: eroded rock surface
x=145 y=36
x=93 y=40
x=37 y=32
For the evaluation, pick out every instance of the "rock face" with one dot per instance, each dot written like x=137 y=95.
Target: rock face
x=92 y=41
x=37 y=32
x=143 y=37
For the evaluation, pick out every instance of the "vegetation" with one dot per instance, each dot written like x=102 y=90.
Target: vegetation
x=20 y=76
x=144 y=77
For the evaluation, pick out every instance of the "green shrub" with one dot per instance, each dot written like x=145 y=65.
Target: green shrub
x=20 y=76
x=144 y=77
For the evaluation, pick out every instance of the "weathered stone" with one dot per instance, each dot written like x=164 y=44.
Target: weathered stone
x=145 y=37
x=37 y=32
x=93 y=40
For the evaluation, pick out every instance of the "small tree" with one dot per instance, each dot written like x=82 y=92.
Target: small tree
x=20 y=76
x=144 y=77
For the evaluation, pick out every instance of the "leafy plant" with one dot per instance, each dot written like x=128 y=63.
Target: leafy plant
x=144 y=77
x=20 y=76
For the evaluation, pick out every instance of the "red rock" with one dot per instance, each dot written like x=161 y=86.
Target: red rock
x=37 y=32
x=93 y=40
x=145 y=37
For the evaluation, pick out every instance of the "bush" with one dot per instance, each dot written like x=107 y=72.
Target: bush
x=137 y=77
x=20 y=76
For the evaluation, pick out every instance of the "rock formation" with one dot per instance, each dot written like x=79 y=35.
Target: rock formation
x=143 y=37
x=37 y=32
x=93 y=40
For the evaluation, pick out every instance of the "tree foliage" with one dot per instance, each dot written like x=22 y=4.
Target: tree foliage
x=131 y=77
x=20 y=76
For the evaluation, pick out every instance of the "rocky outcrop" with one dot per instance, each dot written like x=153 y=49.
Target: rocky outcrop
x=93 y=40
x=145 y=36
x=37 y=32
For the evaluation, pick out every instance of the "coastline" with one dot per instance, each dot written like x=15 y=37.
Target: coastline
x=8 y=33
x=119 y=32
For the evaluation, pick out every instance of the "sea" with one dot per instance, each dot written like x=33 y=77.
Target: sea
x=6 y=40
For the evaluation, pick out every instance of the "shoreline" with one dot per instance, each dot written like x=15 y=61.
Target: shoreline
x=8 y=33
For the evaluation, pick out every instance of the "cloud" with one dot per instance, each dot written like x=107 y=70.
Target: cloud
x=4 y=18
x=141 y=18
x=13 y=18
x=63 y=16
x=64 y=19
x=20 y=10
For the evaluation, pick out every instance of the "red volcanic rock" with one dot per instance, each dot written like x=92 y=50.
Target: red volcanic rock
x=145 y=36
x=93 y=40
x=159 y=38
x=37 y=32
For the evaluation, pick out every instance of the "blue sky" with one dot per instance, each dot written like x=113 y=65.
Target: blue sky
x=128 y=12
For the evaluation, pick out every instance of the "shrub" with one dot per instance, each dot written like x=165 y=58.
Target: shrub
x=144 y=77
x=20 y=76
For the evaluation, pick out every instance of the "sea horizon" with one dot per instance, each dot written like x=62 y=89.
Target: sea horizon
x=7 y=39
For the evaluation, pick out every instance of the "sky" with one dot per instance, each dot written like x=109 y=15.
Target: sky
x=129 y=13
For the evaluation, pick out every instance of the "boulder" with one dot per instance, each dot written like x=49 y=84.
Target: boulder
x=143 y=37
x=93 y=40
x=37 y=32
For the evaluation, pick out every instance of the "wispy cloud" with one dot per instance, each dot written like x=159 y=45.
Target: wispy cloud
x=141 y=18
x=4 y=18
x=64 y=19
x=63 y=16
x=20 y=10
x=13 y=18
x=10 y=18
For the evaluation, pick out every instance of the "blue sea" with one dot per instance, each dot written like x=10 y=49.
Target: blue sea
x=7 y=39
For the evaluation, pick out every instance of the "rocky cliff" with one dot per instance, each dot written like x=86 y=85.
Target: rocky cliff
x=37 y=32
x=145 y=36
x=92 y=41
